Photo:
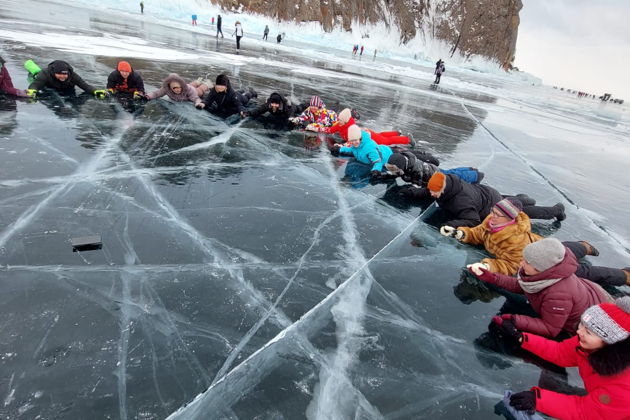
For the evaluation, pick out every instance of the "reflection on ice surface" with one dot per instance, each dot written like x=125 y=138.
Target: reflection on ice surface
x=240 y=277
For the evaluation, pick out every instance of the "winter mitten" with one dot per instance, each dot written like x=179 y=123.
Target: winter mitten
x=408 y=190
x=101 y=93
x=138 y=95
x=31 y=93
x=478 y=270
x=525 y=400
x=498 y=319
x=375 y=174
x=459 y=234
x=447 y=230
x=335 y=150
x=200 y=105
x=508 y=327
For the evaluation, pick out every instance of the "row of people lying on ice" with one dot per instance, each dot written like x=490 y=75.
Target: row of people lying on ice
x=560 y=290
x=221 y=98
x=563 y=299
x=556 y=285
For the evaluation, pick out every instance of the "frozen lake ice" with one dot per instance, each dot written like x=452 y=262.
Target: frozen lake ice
x=242 y=275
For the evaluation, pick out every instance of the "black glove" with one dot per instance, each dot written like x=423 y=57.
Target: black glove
x=525 y=400
x=375 y=175
x=335 y=151
x=507 y=326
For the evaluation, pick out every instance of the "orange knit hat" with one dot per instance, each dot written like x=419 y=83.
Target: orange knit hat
x=437 y=182
x=124 y=66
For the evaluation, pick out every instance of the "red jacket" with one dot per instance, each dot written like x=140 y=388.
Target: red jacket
x=6 y=84
x=561 y=304
x=342 y=129
x=608 y=397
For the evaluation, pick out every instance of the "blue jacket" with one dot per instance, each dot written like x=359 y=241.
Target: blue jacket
x=369 y=152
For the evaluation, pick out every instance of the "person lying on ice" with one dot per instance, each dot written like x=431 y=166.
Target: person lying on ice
x=224 y=101
x=469 y=204
x=60 y=76
x=125 y=80
x=6 y=84
x=345 y=119
x=547 y=278
x=279 y=108
x=600 y=351
x=179 y=91
x=415 y=170
x=507 y=230
x=316 y=117
x=365 y=150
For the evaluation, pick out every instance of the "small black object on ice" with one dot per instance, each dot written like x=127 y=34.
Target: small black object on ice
x=87 y=243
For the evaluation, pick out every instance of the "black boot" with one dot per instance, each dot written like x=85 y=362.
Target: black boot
x=539 y=212
x=560 y=215
x=526 y=200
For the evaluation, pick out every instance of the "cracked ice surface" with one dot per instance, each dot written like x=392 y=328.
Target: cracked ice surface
x=241 y=275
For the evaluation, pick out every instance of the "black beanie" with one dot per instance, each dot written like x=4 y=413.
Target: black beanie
x=275 y=98
x=222 y=80
x=399 y=160
x=60 y=67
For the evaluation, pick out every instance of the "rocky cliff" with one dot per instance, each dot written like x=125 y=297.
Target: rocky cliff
x=471 y=27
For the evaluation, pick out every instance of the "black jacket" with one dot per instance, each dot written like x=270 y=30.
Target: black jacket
x=224 y=103
x=416 y=170
x=134 y=82
x=281 y=116
x=46 y=78
x=468 y=204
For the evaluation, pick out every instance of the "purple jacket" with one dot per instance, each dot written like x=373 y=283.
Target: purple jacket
x=556 y=294
x=188 y=92
x=6 y=84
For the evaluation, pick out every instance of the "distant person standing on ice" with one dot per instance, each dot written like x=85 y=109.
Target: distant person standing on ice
x=238 y=31
x=439 y=69
x=266 y=33
x=278 y=38
x=194 y=20
x=374 y=55
x=212 y=21
x=361 y=50
x=219 y=31
x=142 y=7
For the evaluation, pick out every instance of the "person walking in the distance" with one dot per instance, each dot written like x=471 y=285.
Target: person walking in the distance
x=266 y=33
x=238 y=31
x=194 y=20
x=142 y=7
x=439 y=69
x=219 y=31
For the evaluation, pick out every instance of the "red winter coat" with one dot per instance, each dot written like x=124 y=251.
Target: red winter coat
x=342 y=129
x=608 y=397
x=561 y=304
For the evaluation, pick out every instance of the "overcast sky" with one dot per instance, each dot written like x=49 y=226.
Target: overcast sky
x=577 y=44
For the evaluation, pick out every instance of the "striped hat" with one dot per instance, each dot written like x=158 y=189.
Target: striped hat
x=510 y=206
x=316 y=101
x=609 y=321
